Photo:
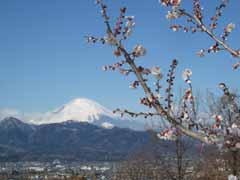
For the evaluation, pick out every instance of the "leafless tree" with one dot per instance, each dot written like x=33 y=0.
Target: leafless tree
x=227 y=107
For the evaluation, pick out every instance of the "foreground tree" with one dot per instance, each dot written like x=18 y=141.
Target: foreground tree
x=218 y=130
x=227 y=107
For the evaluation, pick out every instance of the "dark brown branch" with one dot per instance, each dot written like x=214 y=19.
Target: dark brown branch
x=136 y=114
x=211 y=34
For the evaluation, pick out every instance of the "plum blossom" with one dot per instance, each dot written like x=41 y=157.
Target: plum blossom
x=230 y=27
x=237 y=145
x=173 y=14
x=232 y=177
x=130 y=24
x=124 y=71
x=234 y=126
x=218 y=118
x=188 y=95
x=130 y=18
x=175 y=28
x=91 y=39
x=158 y=96
x=104 y=68
x=234 y=129
x=139 y=50
x=222 y=86
x=156 y=71
x=117 y=53
x=168 y=134
x=111 y=40
x=184 y=116
x=187 y=73
x=197 y=9
x=170 y=2
x=201 y=53
x=129 y=32
x=134 y=85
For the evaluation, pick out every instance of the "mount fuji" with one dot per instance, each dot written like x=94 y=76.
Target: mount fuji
x=85 y=110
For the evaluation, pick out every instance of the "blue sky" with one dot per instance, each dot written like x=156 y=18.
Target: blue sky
x=45 y=62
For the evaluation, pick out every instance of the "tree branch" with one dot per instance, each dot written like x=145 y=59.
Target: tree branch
x=156 y=104
x=210 y=33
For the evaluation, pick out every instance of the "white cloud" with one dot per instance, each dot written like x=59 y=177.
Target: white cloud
x=26 y=117
x=10 y=113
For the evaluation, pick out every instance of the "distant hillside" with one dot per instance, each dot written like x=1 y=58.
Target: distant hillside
x=68 y=140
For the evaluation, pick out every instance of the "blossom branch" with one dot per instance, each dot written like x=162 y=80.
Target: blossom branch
x=211 y=34
x=196 y=18
x=151 y=100
x=156 y=104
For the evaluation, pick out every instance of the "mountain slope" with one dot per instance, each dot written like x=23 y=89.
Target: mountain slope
x=69 y=140
x=14 y=132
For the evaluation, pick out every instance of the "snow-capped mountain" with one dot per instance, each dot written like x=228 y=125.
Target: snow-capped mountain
x=85 y=110
x=81 y=109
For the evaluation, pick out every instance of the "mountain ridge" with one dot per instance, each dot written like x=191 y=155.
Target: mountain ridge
x=67 y=140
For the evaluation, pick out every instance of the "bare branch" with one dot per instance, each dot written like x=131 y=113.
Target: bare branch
x=136 y=114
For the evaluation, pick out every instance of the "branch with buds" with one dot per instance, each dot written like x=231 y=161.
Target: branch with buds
x=197 y=24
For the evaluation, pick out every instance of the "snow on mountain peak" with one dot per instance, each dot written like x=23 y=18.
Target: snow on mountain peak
x=80 y=109
x=107 y=125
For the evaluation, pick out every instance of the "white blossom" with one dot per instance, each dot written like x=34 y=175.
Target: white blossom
x=230 y=27
x=188 y=95
x=130 y=24
x=237 y=145
x=129 y=32
x=232 y=177
x=130 y=18
x=156 y=71
x=185 y=116
x=201 y=53
x=158 y=96
x=218 y=117
x=139 y=50
x=234 y=126
x=187 y=73
x=235 y=129
x=167 y=135
x=173 y=14
x=104 y=68
x=222 y=86
x=175 y=2
x=175 y=28
x=111 y=39
x=170 y=2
